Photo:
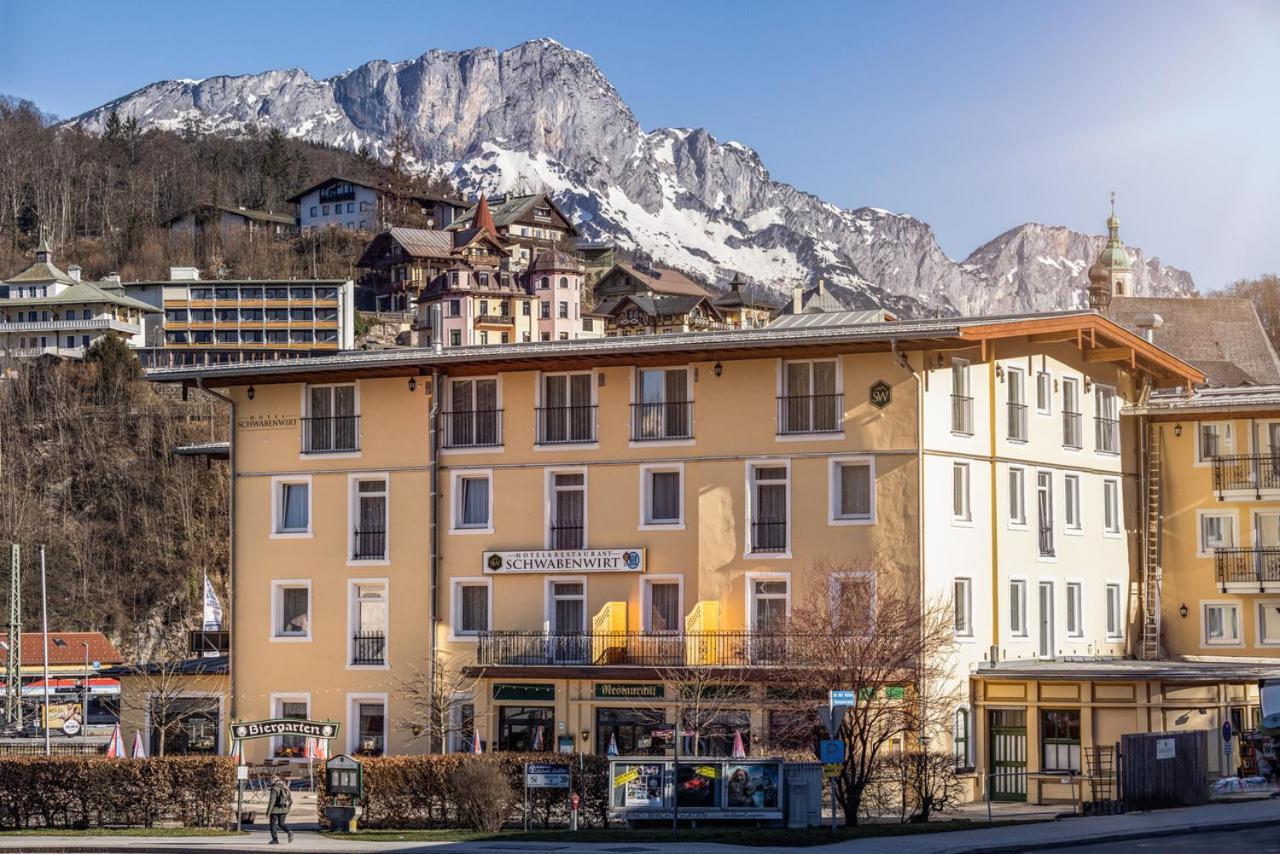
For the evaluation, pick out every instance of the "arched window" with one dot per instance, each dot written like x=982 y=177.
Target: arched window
x=564 y=281
x=961 y=739
x=544 y=283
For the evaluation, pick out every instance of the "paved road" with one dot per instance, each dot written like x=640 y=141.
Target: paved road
x=1256 y=841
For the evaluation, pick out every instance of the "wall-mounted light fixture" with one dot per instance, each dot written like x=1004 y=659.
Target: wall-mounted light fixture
x=1177 y=430
x=1088 y=385
x=1182 y=612
x=586 y=735
x=1000 y=372
x=249 y=393
x=413 y=383
x=718 y=369
x=1055 y=385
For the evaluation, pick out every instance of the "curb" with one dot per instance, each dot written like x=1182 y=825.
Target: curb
x=1128 y=836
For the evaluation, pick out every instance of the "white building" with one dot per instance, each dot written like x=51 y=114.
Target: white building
x=352 y=205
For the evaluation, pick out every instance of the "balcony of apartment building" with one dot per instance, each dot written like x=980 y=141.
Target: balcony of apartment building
x=330 y=434
x=1246 y=476
x=84 y=325
x=657 y=421
x=802 y=414
x=566 y=424
x=1248 y=569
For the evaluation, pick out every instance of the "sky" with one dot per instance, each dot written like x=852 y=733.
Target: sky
x=973 y=116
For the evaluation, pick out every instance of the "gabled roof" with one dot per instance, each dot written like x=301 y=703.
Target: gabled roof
x=64 y=648
x=735 y=298
x=40 y=273
x=660 y=280
x=816 y=299
x=85 y=293
x=511 y=210
x=656 y=306
x=247 y=213
x=332 y=179
x=1220 y=335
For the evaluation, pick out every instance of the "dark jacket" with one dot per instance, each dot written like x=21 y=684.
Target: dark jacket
x=278 y=800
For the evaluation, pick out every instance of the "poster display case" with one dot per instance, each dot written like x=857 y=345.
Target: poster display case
x=643 y=788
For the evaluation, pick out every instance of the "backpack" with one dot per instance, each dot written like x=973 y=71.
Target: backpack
x=284 y=798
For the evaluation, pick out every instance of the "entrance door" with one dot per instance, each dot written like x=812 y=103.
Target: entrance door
x=1007 y=737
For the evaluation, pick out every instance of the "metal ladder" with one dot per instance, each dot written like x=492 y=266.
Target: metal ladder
x=1153 y=527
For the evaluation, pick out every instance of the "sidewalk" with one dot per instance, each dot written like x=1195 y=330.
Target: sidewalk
x=1035 y=837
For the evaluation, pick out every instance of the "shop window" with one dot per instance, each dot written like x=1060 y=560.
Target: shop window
x=714 y=732
x=1060 y=738
x=526 y=728
x=633 y=732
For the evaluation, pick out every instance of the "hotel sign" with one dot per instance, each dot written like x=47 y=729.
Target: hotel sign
x=267 y=422
x=564 y=560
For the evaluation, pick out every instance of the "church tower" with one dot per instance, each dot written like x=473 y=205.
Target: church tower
x=1112 y=273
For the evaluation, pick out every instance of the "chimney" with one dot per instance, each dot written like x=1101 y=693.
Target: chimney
x=113 y=276
x=1147 y=325
x=74 y=271
x=822 y=286
x=797 y=299
x=437 y=334
x=184 y=274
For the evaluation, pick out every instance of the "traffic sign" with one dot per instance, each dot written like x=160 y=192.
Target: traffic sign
x=840 y=698
x=546 y=775
x=831 y=751
x=1226 y=731
x=831 y=717
x=831 y=771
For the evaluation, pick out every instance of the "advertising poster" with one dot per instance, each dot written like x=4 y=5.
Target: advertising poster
x=637 y=786
x=696 y=788
x=752 y=785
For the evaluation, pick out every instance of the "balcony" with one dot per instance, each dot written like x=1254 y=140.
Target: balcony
x=473 y=428
x=768 y=536
x=1017 y=422
x=331 y=434
x=1108 y=435
x=566 y=425
x=491 y=319
x=1246 y=473
x=653 y=422
x=1258 y=565
x=962 y=414
x=810 y=413
x=567 y=537
x=740 y=648
x=369 y=545
x=369 y=649
x=67 y=325
x=1072 y=431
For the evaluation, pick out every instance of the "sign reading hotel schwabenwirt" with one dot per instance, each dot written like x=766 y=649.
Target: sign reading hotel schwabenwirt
x=564 y=560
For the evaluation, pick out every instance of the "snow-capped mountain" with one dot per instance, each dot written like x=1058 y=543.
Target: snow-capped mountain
x=542 y=116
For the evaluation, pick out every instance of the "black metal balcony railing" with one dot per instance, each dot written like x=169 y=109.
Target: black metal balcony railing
x=962 y=414
x=369 y=545
x=1254 y=472
x=810 y=413
x=769 y=536
x=472 y=428
x=560 y=425
x=1247 y=565
x=567 y=537
x=1108 y=435
x=201 y=642
x=330 y=434
x=495 y=319
x=369 y=648
x=1018 y=422
x=1072 y=434
x=655 y=421
x=632 y=649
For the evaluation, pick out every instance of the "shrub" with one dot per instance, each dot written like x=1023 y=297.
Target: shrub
x=481 y=795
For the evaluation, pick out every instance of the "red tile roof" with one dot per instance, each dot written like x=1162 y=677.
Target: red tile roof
x=64 y=648
x=483 y=219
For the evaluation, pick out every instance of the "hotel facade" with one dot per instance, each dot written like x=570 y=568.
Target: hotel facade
x=567 y=523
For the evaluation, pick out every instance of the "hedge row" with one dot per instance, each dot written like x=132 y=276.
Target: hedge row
x=93 y=791
x=408 y=792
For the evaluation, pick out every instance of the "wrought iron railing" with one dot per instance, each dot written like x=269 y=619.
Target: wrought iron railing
x=1018 y=422
x=962 y=414
x=1247 y=565
x=472 y=428
x=369 y=648
x=655 y=421
x=769 y=536
x=1253 y=472
x=330 y=434
x=561 y=425
x=1108 y=434
x=1072 y=433
x=567 y=537
x=743 y=648
x=810 y=413
x=368 y=544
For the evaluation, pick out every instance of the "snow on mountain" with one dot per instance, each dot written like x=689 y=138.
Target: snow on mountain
x=543 y=116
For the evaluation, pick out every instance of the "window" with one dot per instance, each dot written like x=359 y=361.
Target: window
x=1075 y=614
x=769 y=507
x=1107 y=419
x=526 y=728
x=1015 y=381
x=567 y=620
x=1111 y=521
x=1212 y=440
x=1046 y=619
x=473 y=501
x=960 y=739
x=324 y=209
x=961 y=402
x=1044 y=512
x=314 y=211
x=525 y=308
x=1222 y=623
x=852 y=490
x=662 y=409
x=292 y=508
x=1018 y=607
x=1269 y=622
x=1017 y=496
x=853 y=602
x=662 y=496
x=369 y=538
x=368 y=726
x=475 y=418
x=661 y=601
x=962 y=606
x=462 y=724
x=769 y=607
x=455 y=308
x=960 y=511
x=544 y=283
x=369 y=623
x=568 y=412
x=811 y=400
x=1044 y=393
x=291 y=605
x=331 y=424
x=1072 y=437
x=567 y=525
x=455 y=338
x=1071 y=486
x=1060 y=737
x=563 y=310
x=472 y=606
x=296 y=708
x=1115 y=612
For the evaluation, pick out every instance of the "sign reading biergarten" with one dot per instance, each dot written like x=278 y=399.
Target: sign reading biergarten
x=564 y=560
x=284 y=726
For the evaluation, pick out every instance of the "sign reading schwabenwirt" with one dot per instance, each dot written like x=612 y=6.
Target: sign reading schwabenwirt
x=284 y=726
x=564 y=560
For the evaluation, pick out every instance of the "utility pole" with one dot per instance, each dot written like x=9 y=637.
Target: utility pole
x=44 y=623
x=13 y=661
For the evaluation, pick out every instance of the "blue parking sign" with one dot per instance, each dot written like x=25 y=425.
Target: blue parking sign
x=831 y=751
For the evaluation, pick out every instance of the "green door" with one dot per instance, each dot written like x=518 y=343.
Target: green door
x=1007 y=738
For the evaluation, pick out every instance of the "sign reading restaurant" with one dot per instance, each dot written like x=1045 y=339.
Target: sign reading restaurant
x=564 y=560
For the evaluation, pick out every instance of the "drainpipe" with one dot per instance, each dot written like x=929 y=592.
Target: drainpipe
x=433 y=555
x=231 y=533
x=995 y=528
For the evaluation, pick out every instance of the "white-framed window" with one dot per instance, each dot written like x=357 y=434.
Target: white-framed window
x=768 y=600
x=331 y=423
x=810 y=400
x=370 y=531
x=962 y=606
x=1044 y=513
x=1115 y=611
x=1072 y=514
x=566 y=508
x=1112 y=521
x=961 y=511
x=769 y=507
x=462 y=723
x=662 y=404
x=1106 y=419
x=853 y=601
x=567 y=408
x=1213 y=439
x=1221 y=623
x=1075 y=609
x=960 y=739
x=961 y=400
x=474 y=416
x=662 y=604
x=1217 y=530
x=291 y=506
x=369 y=621
x=853 y=491
x=567 y=605
x=1017 y=496
x=662 y=496
x=472 y=501
x=1016 y=384
x=1044 y=393
x=297 y=707
x=1072 y=429
x=367 y=724
x=472 y=600
x=1046 y=632
x=1018 y=607
x=1268 y=623
x=291 y=609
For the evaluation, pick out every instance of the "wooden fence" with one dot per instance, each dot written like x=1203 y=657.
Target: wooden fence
x=1164 y=769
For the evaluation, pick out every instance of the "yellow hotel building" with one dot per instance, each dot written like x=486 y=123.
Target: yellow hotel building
x=564 y=520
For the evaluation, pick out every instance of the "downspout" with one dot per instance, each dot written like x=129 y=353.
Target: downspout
x=231 y=533
x=995 y=535
x=433 y=554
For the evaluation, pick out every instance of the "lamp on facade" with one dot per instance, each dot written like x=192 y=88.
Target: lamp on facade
x=1177 y=430
x=1000 y=372
x=718 y=369
x=1182 y=612
x=249 y=393
x=413 y=383
x=586 y=735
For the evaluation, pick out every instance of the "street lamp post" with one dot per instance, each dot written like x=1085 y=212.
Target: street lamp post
x=84 y=696
x=44 y=630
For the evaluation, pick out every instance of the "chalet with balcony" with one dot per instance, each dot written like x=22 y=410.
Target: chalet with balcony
x=530 y=225
x=346 y=203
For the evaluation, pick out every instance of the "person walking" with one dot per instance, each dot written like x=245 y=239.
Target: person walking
x=279 y=802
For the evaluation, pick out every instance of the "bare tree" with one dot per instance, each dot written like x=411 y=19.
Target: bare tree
x=705 y=694
x=163 y=696
x=430 y=707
